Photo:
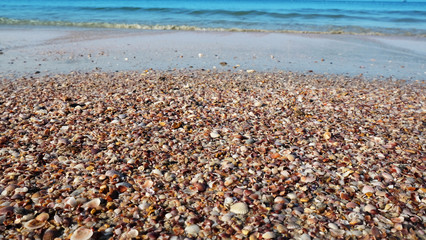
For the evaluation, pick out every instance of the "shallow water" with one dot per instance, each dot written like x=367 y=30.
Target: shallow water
x=359 y=17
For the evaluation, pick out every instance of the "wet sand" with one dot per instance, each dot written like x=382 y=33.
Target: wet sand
x=49 y=50
x=211 y=155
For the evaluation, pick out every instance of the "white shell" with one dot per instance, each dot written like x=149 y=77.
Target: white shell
x=215 y=134
x=368 y=189
x=82 y=233
x=132 y=233
x=307 y=179
x=94 y=203
x=228 y=201
x=71 y=202
x=369 y=208
x=387 y=176
x=279 y=200
x=239 y=208
x=268 y=235
x=292 y=196
x=192 y=230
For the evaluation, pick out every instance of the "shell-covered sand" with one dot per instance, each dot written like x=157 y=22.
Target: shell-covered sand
x=211 y=155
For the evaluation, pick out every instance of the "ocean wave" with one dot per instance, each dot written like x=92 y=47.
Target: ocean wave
x=350 y=30
x=306 y=13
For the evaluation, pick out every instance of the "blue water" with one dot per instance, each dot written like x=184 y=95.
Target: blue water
x=359 y=17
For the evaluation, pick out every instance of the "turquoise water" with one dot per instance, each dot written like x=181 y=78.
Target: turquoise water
x=359 y=17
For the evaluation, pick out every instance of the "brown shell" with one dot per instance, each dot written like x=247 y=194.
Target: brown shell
x=82 y=233
x=34 y=224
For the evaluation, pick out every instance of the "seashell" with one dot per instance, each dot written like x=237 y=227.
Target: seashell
x=34 y=224
x=132 y=233
x=398 y=219
x=307 y=179
x=239 y=208
x=290 y=157
x=214 y=134
x=192 y=230
x=268 y=235
x=63 y=141
x=351 y=205
x=6 y=210
x=111 y=173
x=200 y=186
x=387 y=177
x=226 y=217
x=82 y=233
x=123 y=186
x=398 y=226
x=148 y=184
x=228 y=181
x=292 y=226
x=327 y=135
x=42 y=217
x=292 y=196
x=279 y=200
x=257 y=103
x=311 y=221
x=156 y=172
x=50 y=234
x=92 y=204
x=228 y=201
x=338 y=233
x=71 y=202
x=305 y=236
x=369 y=208
x=368 y=189
x=333 y=226
x=58 y=220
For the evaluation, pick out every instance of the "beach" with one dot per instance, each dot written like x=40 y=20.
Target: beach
x=113 y=153
x=201 y=119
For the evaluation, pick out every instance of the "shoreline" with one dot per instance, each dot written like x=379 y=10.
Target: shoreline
x=175 y=154
x=50 y=50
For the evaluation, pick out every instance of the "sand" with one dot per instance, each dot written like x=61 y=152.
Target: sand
x=47 y=50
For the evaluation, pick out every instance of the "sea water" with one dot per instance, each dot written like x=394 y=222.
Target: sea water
x=392 y=17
